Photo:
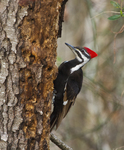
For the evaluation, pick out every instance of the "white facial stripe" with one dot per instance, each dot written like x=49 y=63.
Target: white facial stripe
x=86 y=53
x=65 y=102
x=84 y=57
x=78 y=58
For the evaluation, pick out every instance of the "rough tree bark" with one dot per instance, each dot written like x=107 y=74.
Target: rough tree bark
x=28 y=42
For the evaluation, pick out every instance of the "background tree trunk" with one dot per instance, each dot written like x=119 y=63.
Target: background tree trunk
x=28 y=42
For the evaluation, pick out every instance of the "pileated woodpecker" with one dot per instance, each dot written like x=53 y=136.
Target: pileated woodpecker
x=68 y=83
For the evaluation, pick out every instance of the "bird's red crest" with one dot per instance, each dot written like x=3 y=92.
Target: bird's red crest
x=91 y=53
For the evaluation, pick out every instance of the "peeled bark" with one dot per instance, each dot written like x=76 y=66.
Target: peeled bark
x=28 y=42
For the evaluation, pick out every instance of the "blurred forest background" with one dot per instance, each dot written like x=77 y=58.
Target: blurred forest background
x=96 y=121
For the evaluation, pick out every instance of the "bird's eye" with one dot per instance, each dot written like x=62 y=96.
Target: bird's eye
x=82 y=50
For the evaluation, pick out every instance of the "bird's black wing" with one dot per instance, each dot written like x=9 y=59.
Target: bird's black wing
x=74 y=85
x=59 y=87
x=64 y=101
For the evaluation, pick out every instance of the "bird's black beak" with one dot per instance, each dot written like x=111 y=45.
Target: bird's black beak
x=71 y=47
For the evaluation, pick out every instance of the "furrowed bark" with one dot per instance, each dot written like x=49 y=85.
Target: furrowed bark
x=28 y=42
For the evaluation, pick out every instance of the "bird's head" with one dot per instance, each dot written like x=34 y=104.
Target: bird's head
x=82 y=54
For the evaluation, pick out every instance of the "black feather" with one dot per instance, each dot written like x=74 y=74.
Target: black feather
x=67 y=87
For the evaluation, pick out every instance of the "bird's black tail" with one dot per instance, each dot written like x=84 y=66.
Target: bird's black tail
x=58 y=115
x=53 y=120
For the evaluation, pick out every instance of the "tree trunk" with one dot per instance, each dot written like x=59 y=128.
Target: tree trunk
x=28 y=42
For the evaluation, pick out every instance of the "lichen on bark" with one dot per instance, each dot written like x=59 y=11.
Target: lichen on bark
x=10 y=109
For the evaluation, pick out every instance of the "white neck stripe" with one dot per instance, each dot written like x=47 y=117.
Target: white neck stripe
x=79 y=65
